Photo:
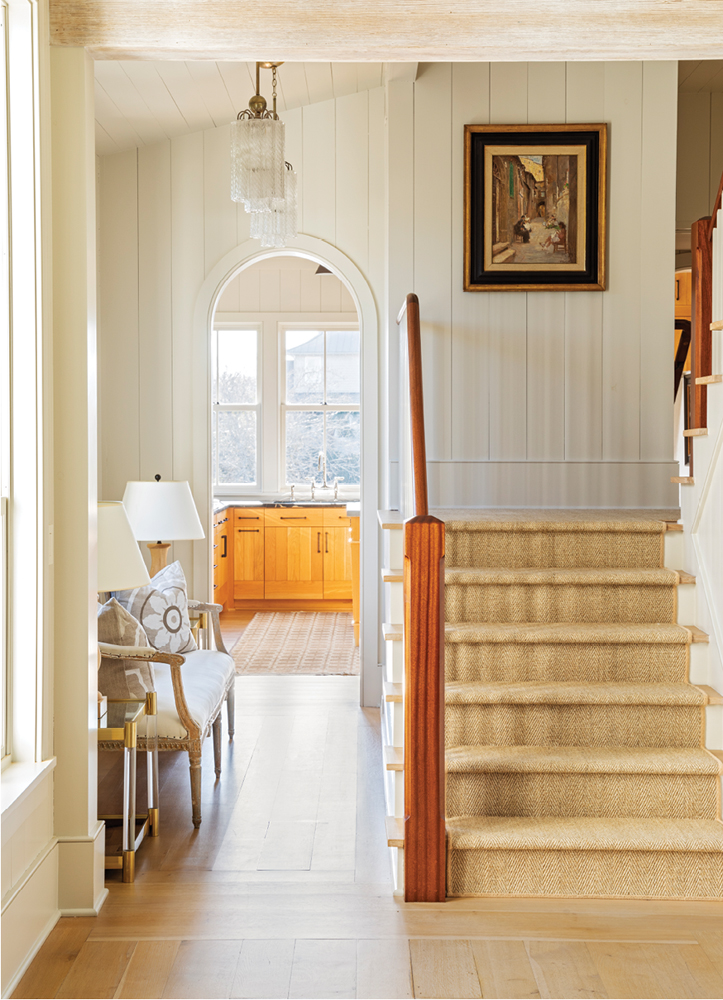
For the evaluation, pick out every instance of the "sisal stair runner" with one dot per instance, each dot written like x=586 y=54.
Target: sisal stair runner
x=574 y=740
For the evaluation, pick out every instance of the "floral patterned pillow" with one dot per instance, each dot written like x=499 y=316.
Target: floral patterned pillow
x=162 y=610
x=122 y=678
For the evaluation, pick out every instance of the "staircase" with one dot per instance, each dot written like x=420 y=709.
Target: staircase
x=575 y=740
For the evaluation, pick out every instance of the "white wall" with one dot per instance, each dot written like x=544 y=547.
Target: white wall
x=166 y=218
x=543 y=397
x=532 y=398
x=700 y=155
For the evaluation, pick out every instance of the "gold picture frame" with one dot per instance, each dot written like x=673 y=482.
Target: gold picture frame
x=535 y=207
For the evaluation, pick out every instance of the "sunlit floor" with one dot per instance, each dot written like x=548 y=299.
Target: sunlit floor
x=285 y=891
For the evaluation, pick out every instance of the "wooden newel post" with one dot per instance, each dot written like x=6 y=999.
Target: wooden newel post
x=424 y=771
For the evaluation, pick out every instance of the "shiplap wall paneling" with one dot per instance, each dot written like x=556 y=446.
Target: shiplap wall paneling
x=546 y=103
x=470 y=313
x=293 y=133
x=187 y=272
x=399 y=258
x=352 y=177
x=318 y=173
x=621 y=305
x=657 y=202
x=118 y=349
x=585 y=102
x=220 y=213
x=694 y=158
x=508 y=310
x=433 y=248
x=155 y=311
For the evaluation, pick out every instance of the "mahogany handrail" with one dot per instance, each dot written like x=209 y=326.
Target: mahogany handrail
x=424 y=771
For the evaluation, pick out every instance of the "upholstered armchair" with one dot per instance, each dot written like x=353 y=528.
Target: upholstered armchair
x=191 y=690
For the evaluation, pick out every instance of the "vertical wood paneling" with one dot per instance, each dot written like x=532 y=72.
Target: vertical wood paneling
x=470 y=312
x=154 y=311
x=269 y=296
x=546 y=376
x=294 y=156
x=319 y=171
x=310 y=292
x=660 y=85
x=376 y=190
x=433 y=248
x=583 y=310
x=399 y=255
x=546 y=92
x=693 y=158
x=118 y=315
x=352 y=177
x=289 y=290
x=187 y=271
x=508 y=310
x=249 y=290
x=621 y=305
x=220 y=222
x=546 y=102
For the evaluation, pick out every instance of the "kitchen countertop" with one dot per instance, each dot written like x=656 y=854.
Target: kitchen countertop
x=223 y=504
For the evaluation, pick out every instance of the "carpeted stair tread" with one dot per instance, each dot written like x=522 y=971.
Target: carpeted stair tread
x=567 y=526
x=583 y=833
x=567 y=632
x=578 y=577
x=581 y=760
x=572 y=693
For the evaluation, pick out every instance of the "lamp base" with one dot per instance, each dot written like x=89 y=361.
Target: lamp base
x=159 y=556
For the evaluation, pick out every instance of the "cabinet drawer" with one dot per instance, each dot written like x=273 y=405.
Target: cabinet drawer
x=252 y=518
x=294 y=517
x=335 y=517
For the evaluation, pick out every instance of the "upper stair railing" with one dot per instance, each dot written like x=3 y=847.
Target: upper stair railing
x=701 y=245
x=424 y=771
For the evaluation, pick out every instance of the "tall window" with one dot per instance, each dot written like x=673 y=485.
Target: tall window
x=236 y=405
x=320 y=407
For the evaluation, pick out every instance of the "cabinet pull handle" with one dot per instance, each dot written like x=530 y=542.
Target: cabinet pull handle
x=326 y=543
x=251 y=531
x=225 y=546
x=301 y=517
x=318 y=541
x=248 y=518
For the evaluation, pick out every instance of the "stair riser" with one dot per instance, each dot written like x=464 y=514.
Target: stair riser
x=685 y=875
x=574 y=725
x=559 y=603
x=646 y=796
x=561 y=550
x=565 y=662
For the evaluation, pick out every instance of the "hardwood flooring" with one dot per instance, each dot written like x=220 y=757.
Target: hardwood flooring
x=233 y=625
x=285 y=891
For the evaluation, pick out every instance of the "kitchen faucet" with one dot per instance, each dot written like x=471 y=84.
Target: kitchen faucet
x=322 y=464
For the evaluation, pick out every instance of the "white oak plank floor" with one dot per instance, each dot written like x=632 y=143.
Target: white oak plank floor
x=285 y=890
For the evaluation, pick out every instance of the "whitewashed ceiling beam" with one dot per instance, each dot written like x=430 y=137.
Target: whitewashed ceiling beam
x=391 y=30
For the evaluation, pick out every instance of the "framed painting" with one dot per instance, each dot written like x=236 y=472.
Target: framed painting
x=534 y=207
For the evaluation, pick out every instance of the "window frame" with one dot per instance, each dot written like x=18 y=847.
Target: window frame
x=234 y=489
x=345 y=489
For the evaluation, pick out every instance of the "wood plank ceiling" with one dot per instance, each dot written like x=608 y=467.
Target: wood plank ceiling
x=138 y=103
x=391 y=30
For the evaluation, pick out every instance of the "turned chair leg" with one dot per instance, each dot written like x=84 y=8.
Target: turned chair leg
x=194 y=757
x=217 y=744
x=231 y=708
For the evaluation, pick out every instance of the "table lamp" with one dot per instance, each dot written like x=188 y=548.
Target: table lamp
x=159 y=510
x=120 y=563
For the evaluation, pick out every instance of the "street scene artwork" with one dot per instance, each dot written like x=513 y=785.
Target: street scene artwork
x=535 y=207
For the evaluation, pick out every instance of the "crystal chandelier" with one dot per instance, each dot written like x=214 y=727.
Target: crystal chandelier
x=260 y=177
x=274 y=228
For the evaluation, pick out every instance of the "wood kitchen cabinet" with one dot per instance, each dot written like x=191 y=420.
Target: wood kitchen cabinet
x=248 y=553
x=222 y=559
x=337 y=555
x=285 y=558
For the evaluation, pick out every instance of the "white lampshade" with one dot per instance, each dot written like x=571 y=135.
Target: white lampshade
x=162 y=511
x=120 y=563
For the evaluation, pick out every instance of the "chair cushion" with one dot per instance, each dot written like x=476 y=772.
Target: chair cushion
x=122 y=678
x=205 y=673
x=162 y=609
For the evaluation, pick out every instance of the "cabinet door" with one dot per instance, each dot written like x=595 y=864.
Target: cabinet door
x=248 y=560
x=224 y=559
x=294 y=563
x=337 y=563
